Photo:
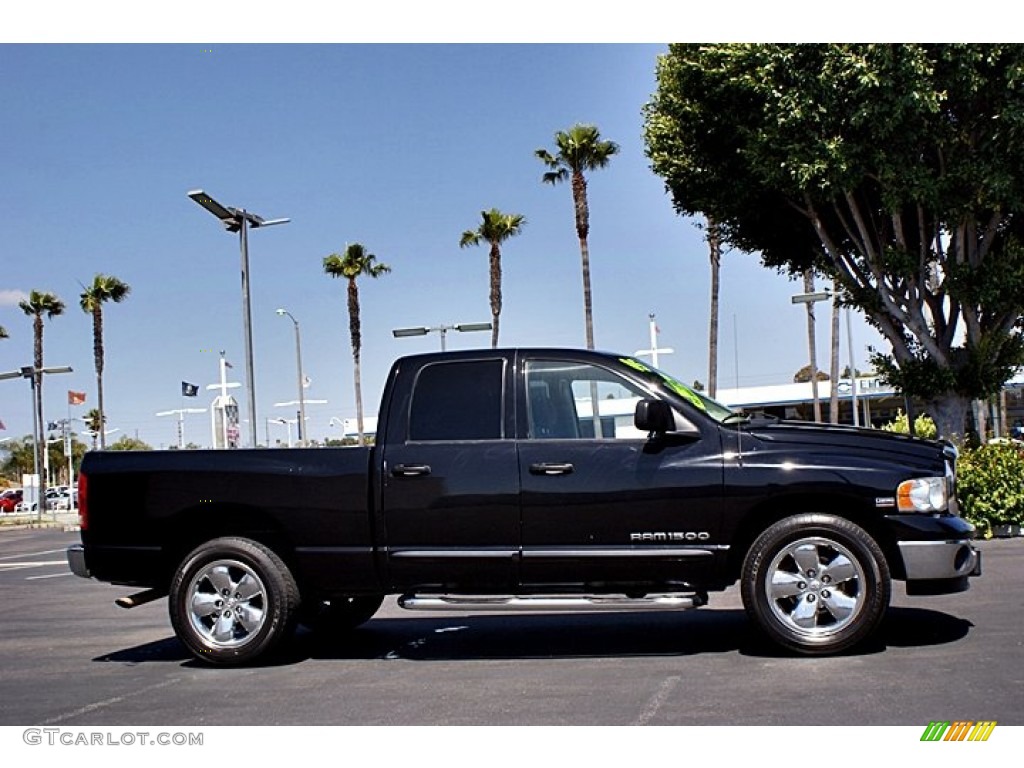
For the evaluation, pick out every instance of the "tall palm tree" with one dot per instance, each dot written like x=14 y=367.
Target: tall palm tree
x=104 y=288
x=580 y=149
x=496 y=228
x=35 y=306
x=351 y=265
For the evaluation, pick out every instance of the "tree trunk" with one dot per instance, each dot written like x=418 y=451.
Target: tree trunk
x=41 y=425
x=579 y=196
x=715 y=254
x=354 y=331
x=949 y=412
x=495 y=292
x=588 y=311
x=833 y=371
x=97 y=349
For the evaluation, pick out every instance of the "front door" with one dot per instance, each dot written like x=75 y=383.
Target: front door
x=602 y=504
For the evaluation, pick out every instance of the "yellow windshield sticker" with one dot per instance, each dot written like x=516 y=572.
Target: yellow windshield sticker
x=680 y=389
x=685 y=392
x=634 y=364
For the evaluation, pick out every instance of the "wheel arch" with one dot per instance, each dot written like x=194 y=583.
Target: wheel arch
x=765 y=514
x=193 y=526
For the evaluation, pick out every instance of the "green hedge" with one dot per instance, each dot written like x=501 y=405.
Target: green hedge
x=990 y=485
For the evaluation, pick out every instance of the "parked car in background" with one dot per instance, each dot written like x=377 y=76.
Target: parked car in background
x=10 y=499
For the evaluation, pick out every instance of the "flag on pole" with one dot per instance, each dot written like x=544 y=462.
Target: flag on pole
x=189 y=390
x=75 y=398
x=228 y=365
x=306 y=382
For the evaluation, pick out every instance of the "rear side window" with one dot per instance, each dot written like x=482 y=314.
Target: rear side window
x=458 y=401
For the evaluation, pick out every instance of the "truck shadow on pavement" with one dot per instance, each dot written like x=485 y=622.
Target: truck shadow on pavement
x=533 y=636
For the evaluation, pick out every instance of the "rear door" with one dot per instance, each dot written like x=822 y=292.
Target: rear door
x=450 y=496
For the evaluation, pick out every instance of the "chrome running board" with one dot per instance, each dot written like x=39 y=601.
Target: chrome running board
x=592 y=603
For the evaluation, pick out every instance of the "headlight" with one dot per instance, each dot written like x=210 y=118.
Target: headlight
x=923 y=494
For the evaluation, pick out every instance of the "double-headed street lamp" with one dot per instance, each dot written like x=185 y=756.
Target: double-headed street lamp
x=298 y=365
x=240 y=220
x=401 y=333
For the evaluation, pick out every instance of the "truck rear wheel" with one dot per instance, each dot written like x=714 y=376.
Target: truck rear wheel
x=233 y=600
x=815 y=584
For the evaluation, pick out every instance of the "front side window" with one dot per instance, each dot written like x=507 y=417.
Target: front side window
x=458 y=401
x=578 y=401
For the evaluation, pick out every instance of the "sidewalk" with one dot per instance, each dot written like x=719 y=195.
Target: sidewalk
x=61 y=519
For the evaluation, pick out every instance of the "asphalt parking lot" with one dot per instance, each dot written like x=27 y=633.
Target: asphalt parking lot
x=69 y=657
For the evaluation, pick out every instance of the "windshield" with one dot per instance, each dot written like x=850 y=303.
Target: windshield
x=712 y=408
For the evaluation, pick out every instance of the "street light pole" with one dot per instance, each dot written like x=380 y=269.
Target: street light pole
x=240 y=220
x=810 y=299
x=298 y=365
x=33 y=374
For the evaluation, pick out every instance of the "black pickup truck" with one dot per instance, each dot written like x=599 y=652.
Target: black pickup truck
x=531 y=479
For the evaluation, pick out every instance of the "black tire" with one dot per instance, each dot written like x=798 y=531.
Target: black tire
x=815 y=584
x=341 y=614
x=233 y=601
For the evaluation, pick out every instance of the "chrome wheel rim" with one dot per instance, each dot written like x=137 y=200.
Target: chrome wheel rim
x=815 y=587
x=227 y=603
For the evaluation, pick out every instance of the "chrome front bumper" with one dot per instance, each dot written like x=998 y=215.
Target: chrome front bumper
x=76 y=561
x=927 y=560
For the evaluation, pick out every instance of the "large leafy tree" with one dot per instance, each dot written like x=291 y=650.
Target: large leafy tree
x=496 y=228
x=892 y=169
x=354 y=263
x=103 y=288
x=579 y=150
x=37 y=304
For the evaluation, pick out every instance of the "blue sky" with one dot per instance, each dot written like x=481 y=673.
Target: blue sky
x=398 y=147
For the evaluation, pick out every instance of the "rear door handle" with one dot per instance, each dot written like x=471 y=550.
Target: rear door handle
x=551 y=468
x=410 y=470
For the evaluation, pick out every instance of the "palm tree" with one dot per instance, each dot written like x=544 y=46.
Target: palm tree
x=104 y=288
x=37 y=305
x=497 y=227
x=94 y=423
x=355 y=263
x=579 y=149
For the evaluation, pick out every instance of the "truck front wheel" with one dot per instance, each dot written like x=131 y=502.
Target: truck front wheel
x=233 y=600
x=815 y=584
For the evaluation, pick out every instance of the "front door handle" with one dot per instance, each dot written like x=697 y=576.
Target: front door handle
x=551 y=468
x=410 y=470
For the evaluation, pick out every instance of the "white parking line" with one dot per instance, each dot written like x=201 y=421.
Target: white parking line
x=35 y=564
x=33 y=554
x=49 y=576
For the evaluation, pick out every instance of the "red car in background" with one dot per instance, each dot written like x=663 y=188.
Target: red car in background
x=10 y=499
